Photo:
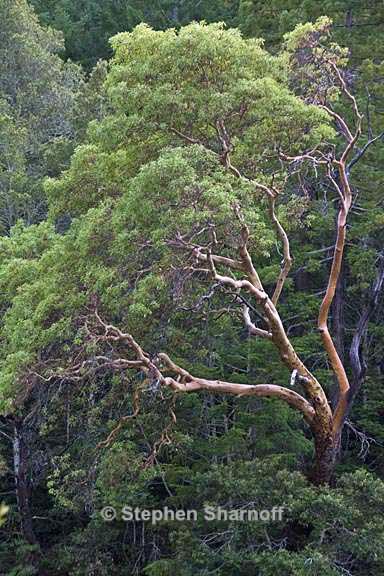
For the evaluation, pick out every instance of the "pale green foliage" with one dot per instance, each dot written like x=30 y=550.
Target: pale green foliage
x=158 y=93
x=299 y=36
x=137 y=184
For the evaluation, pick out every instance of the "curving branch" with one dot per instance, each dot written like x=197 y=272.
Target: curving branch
x=191 y=383
x=252 y=328
x=344 y=191
x=271 y=193
x=360 y=153
x=280 y=339
x=246 y=260
x=186 y=382
x=328 y=343
x=344 y=128
x=287 y=260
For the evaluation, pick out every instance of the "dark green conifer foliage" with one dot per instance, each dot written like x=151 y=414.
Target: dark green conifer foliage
x=112 y=209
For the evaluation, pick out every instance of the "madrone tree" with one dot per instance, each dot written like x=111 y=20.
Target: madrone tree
x=210 y=142
x=317 y=74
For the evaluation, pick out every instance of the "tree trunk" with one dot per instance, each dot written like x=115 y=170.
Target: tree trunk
x=22 y=484
x=356 y=353
x=326 y=451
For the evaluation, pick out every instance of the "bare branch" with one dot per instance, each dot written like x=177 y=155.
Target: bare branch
x=190 y=383
x=339 y=121
x=246 y=259
x=345 y=193
x=360 y=153
x=287 y=260
x=108 y=441
x=254 y=330
x=223 y=260
x=185 y=136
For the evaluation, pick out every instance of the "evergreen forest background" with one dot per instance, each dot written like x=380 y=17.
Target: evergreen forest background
x=97 y=173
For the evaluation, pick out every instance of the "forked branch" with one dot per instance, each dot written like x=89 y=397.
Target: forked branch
x=183 y=381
